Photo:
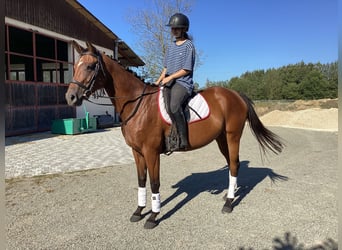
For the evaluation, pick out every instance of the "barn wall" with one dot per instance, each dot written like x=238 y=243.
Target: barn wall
x=57 y=16
x=32 y=103
x=32 y=106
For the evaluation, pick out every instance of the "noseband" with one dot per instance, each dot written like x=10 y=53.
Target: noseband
x=88 y=87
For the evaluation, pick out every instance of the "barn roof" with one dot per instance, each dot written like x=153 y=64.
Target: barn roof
x=125 y=51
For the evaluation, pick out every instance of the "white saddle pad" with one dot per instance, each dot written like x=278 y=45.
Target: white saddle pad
x=199 y=109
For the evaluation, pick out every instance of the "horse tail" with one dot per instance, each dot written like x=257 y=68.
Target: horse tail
x=266 y=138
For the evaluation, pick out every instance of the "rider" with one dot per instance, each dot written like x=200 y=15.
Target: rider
x=178 y=69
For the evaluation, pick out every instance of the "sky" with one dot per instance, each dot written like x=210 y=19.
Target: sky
x=236 y=36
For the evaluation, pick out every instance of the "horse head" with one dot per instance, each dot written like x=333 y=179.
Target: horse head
x=87 y=74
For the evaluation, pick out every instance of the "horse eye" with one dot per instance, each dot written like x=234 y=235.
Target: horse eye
x=91 y=67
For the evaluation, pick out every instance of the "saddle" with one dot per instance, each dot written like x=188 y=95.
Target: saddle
x=195 y=109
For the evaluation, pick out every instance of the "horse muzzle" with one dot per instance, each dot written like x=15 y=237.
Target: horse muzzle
x=73 y=97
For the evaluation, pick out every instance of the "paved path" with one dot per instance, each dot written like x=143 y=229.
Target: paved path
x=287 y=200
x=46 y=153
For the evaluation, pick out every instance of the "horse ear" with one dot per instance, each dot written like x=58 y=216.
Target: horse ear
x=77 y=47
x=90 y=47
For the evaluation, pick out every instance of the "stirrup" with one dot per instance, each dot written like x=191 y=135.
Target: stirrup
x=175 y=146
x=171 y=142
x=183 y=147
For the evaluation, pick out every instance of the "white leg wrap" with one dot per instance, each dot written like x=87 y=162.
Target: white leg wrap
x=141 y=196
x=155 y=203
x=232 y=186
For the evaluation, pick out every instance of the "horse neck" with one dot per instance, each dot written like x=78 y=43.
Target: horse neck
x=122 y=85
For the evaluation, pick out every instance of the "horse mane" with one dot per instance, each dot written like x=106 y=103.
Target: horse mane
x=128 y=70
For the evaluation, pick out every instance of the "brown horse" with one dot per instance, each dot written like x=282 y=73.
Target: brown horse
x=145 y=131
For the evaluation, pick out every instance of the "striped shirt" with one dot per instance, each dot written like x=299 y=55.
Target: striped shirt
x=181 y=57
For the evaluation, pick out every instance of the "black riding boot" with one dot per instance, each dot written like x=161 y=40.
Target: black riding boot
x=182 y=129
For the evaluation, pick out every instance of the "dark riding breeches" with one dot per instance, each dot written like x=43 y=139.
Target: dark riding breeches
x=178 y=96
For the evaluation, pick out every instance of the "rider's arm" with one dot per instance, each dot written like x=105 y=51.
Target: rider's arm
x=176 y=75
x=161 y=77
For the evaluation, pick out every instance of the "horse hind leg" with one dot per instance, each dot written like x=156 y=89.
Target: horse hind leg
x=223 y=146
x=232 y=156
x=228 y=205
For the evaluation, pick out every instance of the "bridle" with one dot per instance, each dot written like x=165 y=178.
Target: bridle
x=88 y=87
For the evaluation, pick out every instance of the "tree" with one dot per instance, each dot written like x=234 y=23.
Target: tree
x=294 y=81
x=290 y=91
x=330 y=74
x=149 y=24
x=273 y=84
x=313 y=86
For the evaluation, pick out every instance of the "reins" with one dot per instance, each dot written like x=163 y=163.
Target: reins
x=135 y=108
x=88 y=88
x=121 y=97
x=139 y=97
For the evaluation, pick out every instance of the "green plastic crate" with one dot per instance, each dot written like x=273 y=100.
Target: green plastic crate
x=74 y=126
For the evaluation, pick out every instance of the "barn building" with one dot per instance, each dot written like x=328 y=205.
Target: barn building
x=39 y=61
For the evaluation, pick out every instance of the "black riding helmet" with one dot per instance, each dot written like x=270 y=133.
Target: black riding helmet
x=179 y=20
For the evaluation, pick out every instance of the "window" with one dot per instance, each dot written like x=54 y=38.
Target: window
x=31 y=56
x=46 y=71
x=45 y=47
x=20 y=41
x=62 y=51
x=21 y=68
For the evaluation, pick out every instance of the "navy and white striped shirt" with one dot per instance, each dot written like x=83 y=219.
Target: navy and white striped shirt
x=181 y=57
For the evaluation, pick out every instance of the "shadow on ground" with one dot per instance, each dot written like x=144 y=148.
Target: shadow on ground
x=215 y=182
x=290 y=242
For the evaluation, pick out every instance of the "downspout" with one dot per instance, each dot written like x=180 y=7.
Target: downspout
x=116 y=49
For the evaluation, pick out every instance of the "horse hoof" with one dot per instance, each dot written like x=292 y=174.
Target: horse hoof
x=136 y=218
x=228 y=206
x=226 y=210
x=150 y=224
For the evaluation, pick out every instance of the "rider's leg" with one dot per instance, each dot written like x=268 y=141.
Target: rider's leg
x=179 y=95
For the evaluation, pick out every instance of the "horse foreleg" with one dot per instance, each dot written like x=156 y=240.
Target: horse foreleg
x=153 y=163
x=141 y=172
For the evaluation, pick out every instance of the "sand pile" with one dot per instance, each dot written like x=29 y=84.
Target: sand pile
x=312 y=118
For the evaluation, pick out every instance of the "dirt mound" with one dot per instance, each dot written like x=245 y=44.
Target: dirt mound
x=314 y=114
x=321 y=103
x=316 y=118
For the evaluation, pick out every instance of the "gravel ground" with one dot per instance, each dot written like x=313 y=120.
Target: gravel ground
x=91 y=209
